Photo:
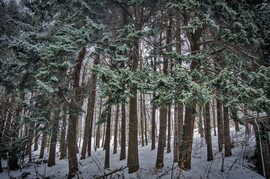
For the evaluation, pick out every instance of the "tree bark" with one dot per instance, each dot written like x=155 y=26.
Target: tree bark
x=63 y=144
x=116 y=130
x=227 y=137
x=200 y=123
x=142 y=119
x=108 y=139
x=214 y=117
x=161 y=137
x=74 y=116
x=87 y=141
x=54 y=131
x=123 y=132
x=208 y=138
x=133 y=155
x=220 y=125
x=43 y=145
x=169 y=131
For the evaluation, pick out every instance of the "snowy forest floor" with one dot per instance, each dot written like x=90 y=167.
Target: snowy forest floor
x=239 y=165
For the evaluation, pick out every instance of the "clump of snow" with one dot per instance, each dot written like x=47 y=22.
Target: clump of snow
x=237 y=166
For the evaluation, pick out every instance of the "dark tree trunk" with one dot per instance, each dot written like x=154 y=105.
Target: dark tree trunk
x=235 y=119
x=74 y=116
x=36 y=137
x=87 y=141
x=161 y=137
x=116 y=130
x=142 y=119
x=133 y=155
x=43 y=145
x=123 y=132
x=108 y=139
x=220 y=125
x=227 y=137
x=145 y=121
x=200 y=123
x=186 y=145
x=98 y=134
x=63 y=144
x=208 y=138
x=54 y=131
x=169 y=131
x=153 y=129
x=214 y=117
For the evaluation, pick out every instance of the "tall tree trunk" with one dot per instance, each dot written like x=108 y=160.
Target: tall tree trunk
x=133 y=155
x=163 y=108
x=161 y=137
x=43 y=145
x=235 y=119
x=175 y=142
x=208 y=138
x=186 y=145
x=247 y=128
x=220 y=125
x=87 y=141
x=98 y=134
x=145 y=121
x=142 y=118
x=200 y=123
x=227 y=139
x=54 y=131
x=123 y=132
x=115 y=136
x=63 y=144
x=214 y=117
x=108 y=139
x=153 y=127
x=169 y=131
x=74 y=116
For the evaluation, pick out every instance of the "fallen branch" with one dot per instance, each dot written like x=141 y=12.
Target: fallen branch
x=166 y=172
x=112 y=172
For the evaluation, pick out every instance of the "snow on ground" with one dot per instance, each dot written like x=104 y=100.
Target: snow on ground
x=238 y=166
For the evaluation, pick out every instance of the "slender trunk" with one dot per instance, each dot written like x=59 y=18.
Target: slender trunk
x=247 y=128
x=220 y=125
x=98 y=134
x=43 y=145
x=116 y=130
x=208 y=138
x=87 y=141
x=169 y=131
x=107 y=139
x=54 y=131
x=161 y=137
x=145 y=121
x=123 y=132
x=180 y=121
x=133 y=155
x=235 y=119
x=74 y=116
x=214 y=117
x=175 y=142
x=36 y=136
x=200 y=123
x=186 y=145
x=227 y=140
x=153 y=130
x=142 y=119
x=63 y=144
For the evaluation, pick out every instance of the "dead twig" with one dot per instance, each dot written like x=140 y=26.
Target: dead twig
x=112 y=172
